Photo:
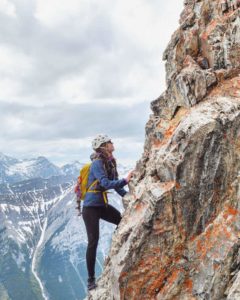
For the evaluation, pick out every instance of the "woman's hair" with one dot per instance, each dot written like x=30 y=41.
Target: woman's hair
x=109 y=165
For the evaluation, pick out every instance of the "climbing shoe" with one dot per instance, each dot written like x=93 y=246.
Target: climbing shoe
x=91 y=283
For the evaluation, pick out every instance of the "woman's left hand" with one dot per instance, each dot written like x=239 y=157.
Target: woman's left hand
x=128 y=178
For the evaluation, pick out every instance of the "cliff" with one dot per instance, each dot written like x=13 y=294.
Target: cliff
x=179 y=237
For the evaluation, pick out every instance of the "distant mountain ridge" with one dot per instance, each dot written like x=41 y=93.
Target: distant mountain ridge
x=13 y=170
x=42 y=240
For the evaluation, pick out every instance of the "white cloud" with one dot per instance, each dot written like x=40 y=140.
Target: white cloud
x=15 y=66
x=13 y=62
x=73 y=89
x=139 y=20
x=53 y=13
x=7 y=8
x=9 y=88
x=123 y=42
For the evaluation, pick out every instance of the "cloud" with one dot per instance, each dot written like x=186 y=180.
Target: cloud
x=64 y=132
x=109 y=49
x=6 y=7
x=70 y=69
x=72 y=121
x=15 y=67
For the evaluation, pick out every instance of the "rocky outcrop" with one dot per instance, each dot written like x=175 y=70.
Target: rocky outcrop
x=179 y=237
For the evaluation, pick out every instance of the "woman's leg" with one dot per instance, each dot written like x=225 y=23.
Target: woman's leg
x=111 y=214
x=91 y=220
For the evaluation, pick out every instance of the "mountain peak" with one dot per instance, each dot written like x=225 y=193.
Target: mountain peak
x=7 y=159
x=42 y=158
x=14 y=170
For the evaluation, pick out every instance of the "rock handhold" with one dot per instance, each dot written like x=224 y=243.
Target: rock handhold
x=203 y=62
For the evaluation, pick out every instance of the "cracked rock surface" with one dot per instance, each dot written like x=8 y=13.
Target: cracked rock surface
x=180 y=233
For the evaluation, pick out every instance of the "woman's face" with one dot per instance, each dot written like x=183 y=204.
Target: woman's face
x=110 y=147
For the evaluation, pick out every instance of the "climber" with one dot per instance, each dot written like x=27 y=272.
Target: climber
x=104 y=173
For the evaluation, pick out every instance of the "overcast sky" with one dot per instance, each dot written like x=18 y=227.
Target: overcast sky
x=70 y=69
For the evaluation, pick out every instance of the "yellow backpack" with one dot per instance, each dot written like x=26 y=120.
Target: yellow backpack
x=83 y=178
x=81 y=187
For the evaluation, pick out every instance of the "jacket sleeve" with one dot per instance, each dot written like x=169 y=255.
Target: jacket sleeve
x=121 y=191
x=98 y=172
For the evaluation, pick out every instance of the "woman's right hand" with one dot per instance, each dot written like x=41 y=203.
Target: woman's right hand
x=128 y=178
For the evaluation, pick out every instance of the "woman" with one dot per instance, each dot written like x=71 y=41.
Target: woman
x=103 y=176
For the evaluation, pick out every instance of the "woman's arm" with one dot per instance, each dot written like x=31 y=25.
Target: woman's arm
x=121 y=191
x=99 y=173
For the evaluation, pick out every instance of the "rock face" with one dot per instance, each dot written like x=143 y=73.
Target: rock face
x=179 y=237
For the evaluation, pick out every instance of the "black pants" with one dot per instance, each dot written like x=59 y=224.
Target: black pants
x=91 y=216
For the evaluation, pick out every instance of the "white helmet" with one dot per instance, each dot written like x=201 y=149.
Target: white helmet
x=99 y=140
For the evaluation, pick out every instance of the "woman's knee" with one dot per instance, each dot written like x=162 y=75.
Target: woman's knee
x=93 y=241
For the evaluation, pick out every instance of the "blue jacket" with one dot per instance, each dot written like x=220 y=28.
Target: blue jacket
x=97 y=172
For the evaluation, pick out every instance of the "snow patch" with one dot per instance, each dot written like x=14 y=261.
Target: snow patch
x=19 y=259
x=6 y=207
x=24 y=167
x=34 y=260
x=69 y=203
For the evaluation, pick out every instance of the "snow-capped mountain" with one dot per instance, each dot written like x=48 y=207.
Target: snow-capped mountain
x=23 y=210
x=42 y=240
x=8 y=160
x=72 y=169
x=14 y=170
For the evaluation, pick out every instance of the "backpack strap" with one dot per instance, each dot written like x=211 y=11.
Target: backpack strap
x=91 y=185
x=105 y=197
x=97 y=191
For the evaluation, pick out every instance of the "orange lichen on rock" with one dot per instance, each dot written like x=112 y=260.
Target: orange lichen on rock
x=177 y=185
x=159 y=227
x=188 y=284
x=228 y=87
x=173 y=124
x=227 y=233
x=139 y=206
x=153 y=279
x=168 y=185
x=171 y=279
x=160 y=272
x=156 y=143
x=187 y=290
x=169 y=130
x=210 y=28
x=231 y=211
x=171 y=285
x=220 y=232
